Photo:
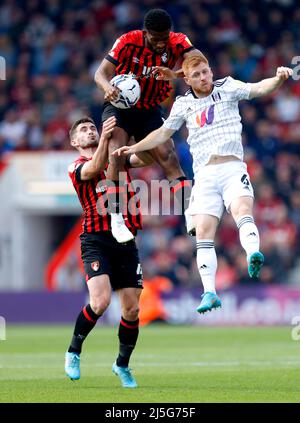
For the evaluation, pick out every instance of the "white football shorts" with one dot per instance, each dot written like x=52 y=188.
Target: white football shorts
x=217 y=185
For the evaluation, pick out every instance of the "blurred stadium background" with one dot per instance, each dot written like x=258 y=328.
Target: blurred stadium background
x=52 y=50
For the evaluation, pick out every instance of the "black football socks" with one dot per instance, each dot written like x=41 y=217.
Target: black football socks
x=85 y=322
x=128 y=334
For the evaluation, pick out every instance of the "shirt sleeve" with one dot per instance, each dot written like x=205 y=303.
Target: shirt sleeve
x=115 y=54
x=183 y=40
x=74 y=171
x=176 y=117
x=239 y=90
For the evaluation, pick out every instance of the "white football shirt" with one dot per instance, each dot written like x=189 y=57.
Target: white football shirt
x=213 y=122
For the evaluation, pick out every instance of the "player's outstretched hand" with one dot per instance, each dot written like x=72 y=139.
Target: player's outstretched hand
x=111 y=93
x=108 y=127
x=162 y=73
x=124 y=151
x=283 y=73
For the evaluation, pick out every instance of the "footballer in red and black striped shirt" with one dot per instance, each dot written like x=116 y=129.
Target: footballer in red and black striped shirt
x=109 y=265
x=93 y=189
x=132 y=54
x=149 y=54
x=92 y=197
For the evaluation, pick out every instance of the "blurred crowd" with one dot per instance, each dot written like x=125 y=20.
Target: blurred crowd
x=52 y=50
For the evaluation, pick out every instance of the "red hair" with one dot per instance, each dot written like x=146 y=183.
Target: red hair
x=192 y=61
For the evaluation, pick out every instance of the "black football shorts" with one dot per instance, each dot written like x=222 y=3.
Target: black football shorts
x=135 y=122
x=103 y=255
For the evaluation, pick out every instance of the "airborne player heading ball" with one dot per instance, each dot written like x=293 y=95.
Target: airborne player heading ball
x=149 y=54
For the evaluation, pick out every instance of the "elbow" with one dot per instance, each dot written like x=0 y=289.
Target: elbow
x=257 y=93
x=261 y=92
x=88 y=174
x=96 y=76
x=93 y=171
x=98 y=167
x=101 y=167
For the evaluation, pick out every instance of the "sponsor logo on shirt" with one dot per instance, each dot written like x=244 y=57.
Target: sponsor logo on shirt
x=206 y=117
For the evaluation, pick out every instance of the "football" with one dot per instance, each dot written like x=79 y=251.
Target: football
x=130 y=91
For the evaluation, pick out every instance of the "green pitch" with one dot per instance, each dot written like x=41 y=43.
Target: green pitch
x=170 y=363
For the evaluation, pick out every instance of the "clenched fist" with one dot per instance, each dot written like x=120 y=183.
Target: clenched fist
x=283 y=73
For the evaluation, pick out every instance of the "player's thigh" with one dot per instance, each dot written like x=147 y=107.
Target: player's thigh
x=100 y=292
x=162 y=153
x=206 y=198
x=95 y=256
x=145 y=121
x=118 y=139
x=166 y=156
x=127 y=269
x=121 y=133
x=148 y=121
x=235 y=184
x=241 y=206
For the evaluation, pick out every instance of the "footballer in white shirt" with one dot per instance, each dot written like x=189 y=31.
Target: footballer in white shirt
x=210 y=112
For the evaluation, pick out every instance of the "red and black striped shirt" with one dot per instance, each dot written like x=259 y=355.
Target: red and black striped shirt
x=130 y=55
x=93 y=199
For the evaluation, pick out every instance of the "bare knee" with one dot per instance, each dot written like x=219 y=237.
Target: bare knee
x=130 y=312
x=116 y=162
x=244 y=210
x=204 y=230
x=206 y=226
x=201 y=233
x=99 y=304
x=118 y=139
x=240 y=207
x=166 y=157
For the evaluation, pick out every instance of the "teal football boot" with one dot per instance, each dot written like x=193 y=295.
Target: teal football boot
x=125 y=376
x=209 y=301
x=255 y=263
x=72 y=365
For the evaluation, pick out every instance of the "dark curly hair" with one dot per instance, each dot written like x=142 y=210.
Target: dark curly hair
x=157 y=20
x=85 y=119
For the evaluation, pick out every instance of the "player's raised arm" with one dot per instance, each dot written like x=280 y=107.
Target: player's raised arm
x=267 y=86
x=103 y=75
x=155 y=138
x=99 y=160
x=167 y=74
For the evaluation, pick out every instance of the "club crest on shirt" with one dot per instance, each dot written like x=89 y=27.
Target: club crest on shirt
x=164 y=58
x=95 y=265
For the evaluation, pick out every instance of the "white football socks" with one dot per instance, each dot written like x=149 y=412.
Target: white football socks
x=207 y=263
x=249 y=235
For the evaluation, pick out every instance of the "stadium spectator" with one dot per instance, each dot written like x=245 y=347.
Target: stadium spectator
x=13 y=129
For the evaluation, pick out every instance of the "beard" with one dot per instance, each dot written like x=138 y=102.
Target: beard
x=93 y=143
x=90 y=143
